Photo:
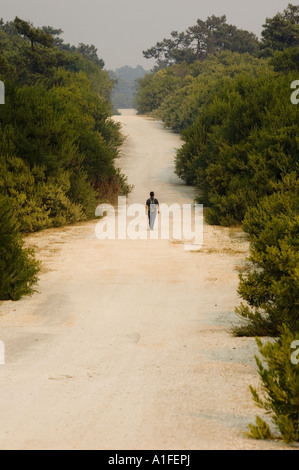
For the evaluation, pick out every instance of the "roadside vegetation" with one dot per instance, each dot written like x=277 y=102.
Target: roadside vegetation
x=58 y=143
x=229 y=96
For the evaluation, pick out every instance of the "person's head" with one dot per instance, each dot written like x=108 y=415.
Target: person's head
x=152 y=194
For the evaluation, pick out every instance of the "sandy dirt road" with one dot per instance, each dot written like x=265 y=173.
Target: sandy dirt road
x=126 y=344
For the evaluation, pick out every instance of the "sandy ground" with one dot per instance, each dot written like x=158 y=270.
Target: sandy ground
x=127 y=344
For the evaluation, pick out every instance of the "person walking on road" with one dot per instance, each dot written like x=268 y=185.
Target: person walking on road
x=152 y=209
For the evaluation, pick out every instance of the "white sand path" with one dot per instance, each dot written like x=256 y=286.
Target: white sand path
x=126 y=344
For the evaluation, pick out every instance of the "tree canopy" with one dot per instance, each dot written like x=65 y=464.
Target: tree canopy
x=58 y=143
x=201 y=40
x=281 y=31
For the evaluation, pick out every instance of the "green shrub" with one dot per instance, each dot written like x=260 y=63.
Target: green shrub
x=18 y=267
x=58 y=143
x=280 y=388
x=271 y=288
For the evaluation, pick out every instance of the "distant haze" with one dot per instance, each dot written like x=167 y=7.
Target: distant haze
x=121 y=30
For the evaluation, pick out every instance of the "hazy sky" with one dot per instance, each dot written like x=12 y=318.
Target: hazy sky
x=122 y=29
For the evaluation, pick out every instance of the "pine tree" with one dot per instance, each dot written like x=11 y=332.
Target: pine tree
x=280 y=386
x=18 y=267
x=271 y=287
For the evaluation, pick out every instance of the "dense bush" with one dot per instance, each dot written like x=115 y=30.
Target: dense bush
x=243 y=141
x=271 y=288
x=18 y=267
x=58 y=143
x=153 y=89
x=176 y=94
x=280 y=388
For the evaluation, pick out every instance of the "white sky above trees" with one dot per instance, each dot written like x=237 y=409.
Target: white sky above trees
x=122 y=29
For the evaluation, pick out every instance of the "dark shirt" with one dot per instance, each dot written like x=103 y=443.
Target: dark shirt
x=151 y=201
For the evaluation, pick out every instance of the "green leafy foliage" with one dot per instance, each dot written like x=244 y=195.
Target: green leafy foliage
x=35 y=35
x=281 y=31
x=280 y=388
x=201 y=40
x=271 y=288
x=197 y=84
x=242 y=142
x=18 y=267
x=287 y=60
x=153 y=89
x=58 y=143
x=260 y=431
